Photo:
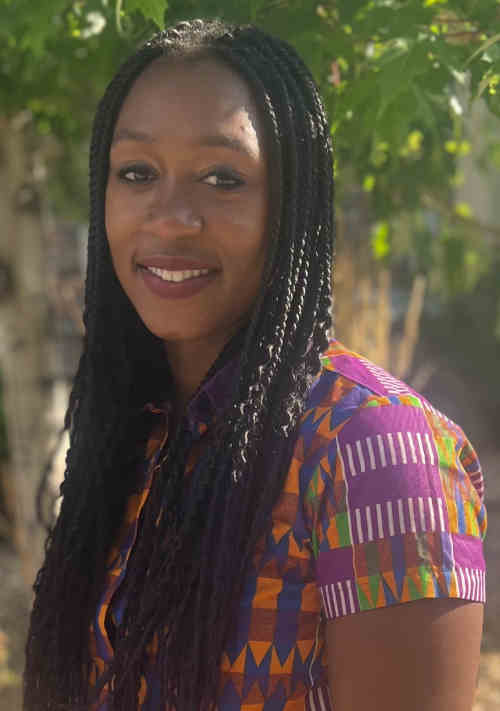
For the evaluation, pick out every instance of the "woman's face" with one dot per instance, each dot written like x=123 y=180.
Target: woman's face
x=187 y=200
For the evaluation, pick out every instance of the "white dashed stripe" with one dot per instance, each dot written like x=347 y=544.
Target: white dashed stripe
x=351 y=598
x=379 y=522
x=402 y=447
x=469 y=582
x=441 y=515
x=334 y=596
x=342 y=599
x=328 y=601
x=413 y=526
x=392 y=384
x=369 y=523
x=390 y=517
x=429 y=448
x=360 y=456
x=381 y=450
x=402 y=525
x=412 y=447
x=391 y=448
x=431 y=514
x=370 y=452
x=357 y=514
x=350 y=459
x=420 y=446
x=421 y=511
x=325 y=602
x=462 y=581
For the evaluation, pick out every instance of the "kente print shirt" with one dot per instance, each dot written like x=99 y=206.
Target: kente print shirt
x=383 y=504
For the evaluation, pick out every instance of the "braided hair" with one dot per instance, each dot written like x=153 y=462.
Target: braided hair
x=185 y=576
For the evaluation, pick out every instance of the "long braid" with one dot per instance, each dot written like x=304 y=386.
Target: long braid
x=185 y=602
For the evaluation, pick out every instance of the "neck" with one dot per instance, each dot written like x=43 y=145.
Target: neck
x=189 y=363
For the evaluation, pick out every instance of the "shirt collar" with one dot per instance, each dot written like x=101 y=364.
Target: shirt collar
x=211 y=399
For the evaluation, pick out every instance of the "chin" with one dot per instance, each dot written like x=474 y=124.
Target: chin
x=175 y=331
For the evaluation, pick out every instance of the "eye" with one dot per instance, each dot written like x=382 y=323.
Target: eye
x=138 y=173
x=223 y=178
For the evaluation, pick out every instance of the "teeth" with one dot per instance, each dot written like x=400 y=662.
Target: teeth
x=177 y=276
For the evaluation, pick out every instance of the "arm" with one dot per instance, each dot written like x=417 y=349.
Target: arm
x=419 y=656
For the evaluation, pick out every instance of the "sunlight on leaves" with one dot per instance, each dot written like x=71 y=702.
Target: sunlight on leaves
x=464 y=210
x=380 y=240
x=368 y=183
x=413 y=144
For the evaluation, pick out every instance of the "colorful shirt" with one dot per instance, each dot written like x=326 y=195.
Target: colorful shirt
x=383 y=504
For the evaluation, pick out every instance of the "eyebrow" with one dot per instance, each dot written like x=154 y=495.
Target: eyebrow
x=217 y=140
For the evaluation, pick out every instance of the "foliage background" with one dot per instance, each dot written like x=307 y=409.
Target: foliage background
x=398 y=79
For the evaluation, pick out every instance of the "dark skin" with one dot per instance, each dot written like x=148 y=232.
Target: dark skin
x=418 y=656
x=189 y=178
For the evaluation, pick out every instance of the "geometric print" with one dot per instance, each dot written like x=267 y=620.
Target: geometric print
x=471 y=583
x=390 y=383
x=383 y=503
x=403 y=515
x=388 y=448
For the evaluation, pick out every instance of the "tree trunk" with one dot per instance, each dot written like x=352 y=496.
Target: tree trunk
x=362 y=293
x=23 y=321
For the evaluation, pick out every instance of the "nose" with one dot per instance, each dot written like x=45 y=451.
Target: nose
x=171 y=211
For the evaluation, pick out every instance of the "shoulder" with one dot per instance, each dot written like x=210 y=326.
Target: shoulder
x=369 y=436
x=354 y=399
x=345 y=372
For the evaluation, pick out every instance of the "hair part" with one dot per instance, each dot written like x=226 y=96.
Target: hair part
x=196 y=567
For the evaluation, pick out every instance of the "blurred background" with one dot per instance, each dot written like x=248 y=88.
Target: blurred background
x=412 y=88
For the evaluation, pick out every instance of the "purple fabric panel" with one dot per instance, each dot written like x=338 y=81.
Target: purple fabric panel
x=336 y=581
x=333 y=565
x=389 y=453
x=468 y=551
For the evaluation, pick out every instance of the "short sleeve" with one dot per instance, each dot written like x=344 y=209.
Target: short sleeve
x=396 y=510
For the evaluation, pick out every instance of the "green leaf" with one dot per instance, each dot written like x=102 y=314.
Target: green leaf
x=150 y=9
x=369 y=183
x=489 y=43
x=381 y=246
x=464 y=210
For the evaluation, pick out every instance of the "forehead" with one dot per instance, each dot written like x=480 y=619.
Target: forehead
x=182 y=99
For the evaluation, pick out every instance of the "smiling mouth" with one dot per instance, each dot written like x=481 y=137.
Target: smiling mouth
x=176 y=276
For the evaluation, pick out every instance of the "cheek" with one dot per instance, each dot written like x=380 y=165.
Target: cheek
x=118 y=220
x=245 y=236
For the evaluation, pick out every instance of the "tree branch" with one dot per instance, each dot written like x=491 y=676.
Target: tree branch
x=470 y=222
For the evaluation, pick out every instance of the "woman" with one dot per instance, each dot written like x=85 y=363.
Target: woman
x=245 y=503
